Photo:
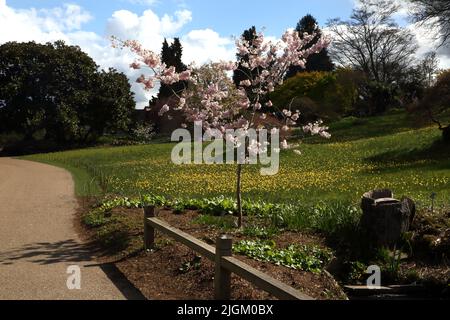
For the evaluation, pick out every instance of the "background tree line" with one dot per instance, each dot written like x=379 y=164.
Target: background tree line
x=370 y=68
x=375 y=66
x=55 y=92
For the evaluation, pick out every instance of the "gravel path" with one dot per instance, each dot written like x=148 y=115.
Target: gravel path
x=38 y=241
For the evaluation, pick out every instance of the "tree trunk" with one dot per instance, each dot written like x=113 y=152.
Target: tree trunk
x=239 y=196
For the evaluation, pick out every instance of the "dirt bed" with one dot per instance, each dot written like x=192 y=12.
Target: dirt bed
x=174 y=272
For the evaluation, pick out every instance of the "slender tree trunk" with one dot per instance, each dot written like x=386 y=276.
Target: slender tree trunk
x=239 y=196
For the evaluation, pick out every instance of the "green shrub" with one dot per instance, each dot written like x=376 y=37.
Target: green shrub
x=222 y=223
x=95 y=219
x=326 y=95
x=333 y=218
x=10 y=138
x=260 y=232
x=143 y=133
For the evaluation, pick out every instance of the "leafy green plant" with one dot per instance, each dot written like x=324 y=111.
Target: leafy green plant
x=334 y=218
x=95 y=219
x=357 y=271
x=143 y=133
x=300 y=257
x=152 y=200
x=260 y=232
x=194 y=264
x=219 y=206
x=100 y=215
x=222 y=223
x=391 y=262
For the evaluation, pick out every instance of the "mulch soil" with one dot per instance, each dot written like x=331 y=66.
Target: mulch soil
x=174 y=272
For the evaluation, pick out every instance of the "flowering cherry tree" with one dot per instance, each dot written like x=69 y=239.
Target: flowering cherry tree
x=214 y=100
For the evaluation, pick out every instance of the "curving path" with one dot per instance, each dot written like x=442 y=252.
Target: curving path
x=38 y=240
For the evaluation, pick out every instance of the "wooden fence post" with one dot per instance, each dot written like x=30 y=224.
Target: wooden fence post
x=222 y=277
x=149 y=231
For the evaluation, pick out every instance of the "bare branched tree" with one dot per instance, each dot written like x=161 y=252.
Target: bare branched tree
x=430 y=67
x=434 y=13
x=372 y=42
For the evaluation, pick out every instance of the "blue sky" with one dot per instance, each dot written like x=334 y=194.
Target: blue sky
x=205 y=27
x=228 y=17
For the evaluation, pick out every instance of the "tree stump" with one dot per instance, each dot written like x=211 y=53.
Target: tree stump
x=384 y=218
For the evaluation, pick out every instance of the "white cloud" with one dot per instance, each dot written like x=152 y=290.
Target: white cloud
x=40 y=25
x=65 y=23
x=428 y=39
x=426 y=36
x=402 y=12
x=150 y=30
x=206 y=45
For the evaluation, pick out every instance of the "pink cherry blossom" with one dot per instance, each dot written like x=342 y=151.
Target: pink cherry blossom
x=185 y=75
x=164 y=110
x=211 y=97
x=135 y=65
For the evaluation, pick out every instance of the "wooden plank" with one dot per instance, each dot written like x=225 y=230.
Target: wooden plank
x=367 y=288
x=258 y=278
x=408 y=288
x=202 y=248
x=365 y=291
x=262 y=280
x=396 y=289
x=222 y=276
x=149 y=231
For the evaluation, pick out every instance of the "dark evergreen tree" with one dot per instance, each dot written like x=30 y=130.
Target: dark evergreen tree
x=317 y=62
x=171 y=55
x=243 y=72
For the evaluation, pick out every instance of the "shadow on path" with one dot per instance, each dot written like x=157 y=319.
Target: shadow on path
x=70 y=251
x=45 y=253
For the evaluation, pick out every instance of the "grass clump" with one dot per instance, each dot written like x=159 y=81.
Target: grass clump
x=260 y=232
x=335 y=219
x=222 y=223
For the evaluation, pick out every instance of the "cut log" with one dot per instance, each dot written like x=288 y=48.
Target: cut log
x=384 y=218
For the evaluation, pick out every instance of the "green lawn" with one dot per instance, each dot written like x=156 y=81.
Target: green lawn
x=382 y=152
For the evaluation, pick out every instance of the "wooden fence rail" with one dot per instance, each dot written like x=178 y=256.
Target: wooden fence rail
x=225 y=264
